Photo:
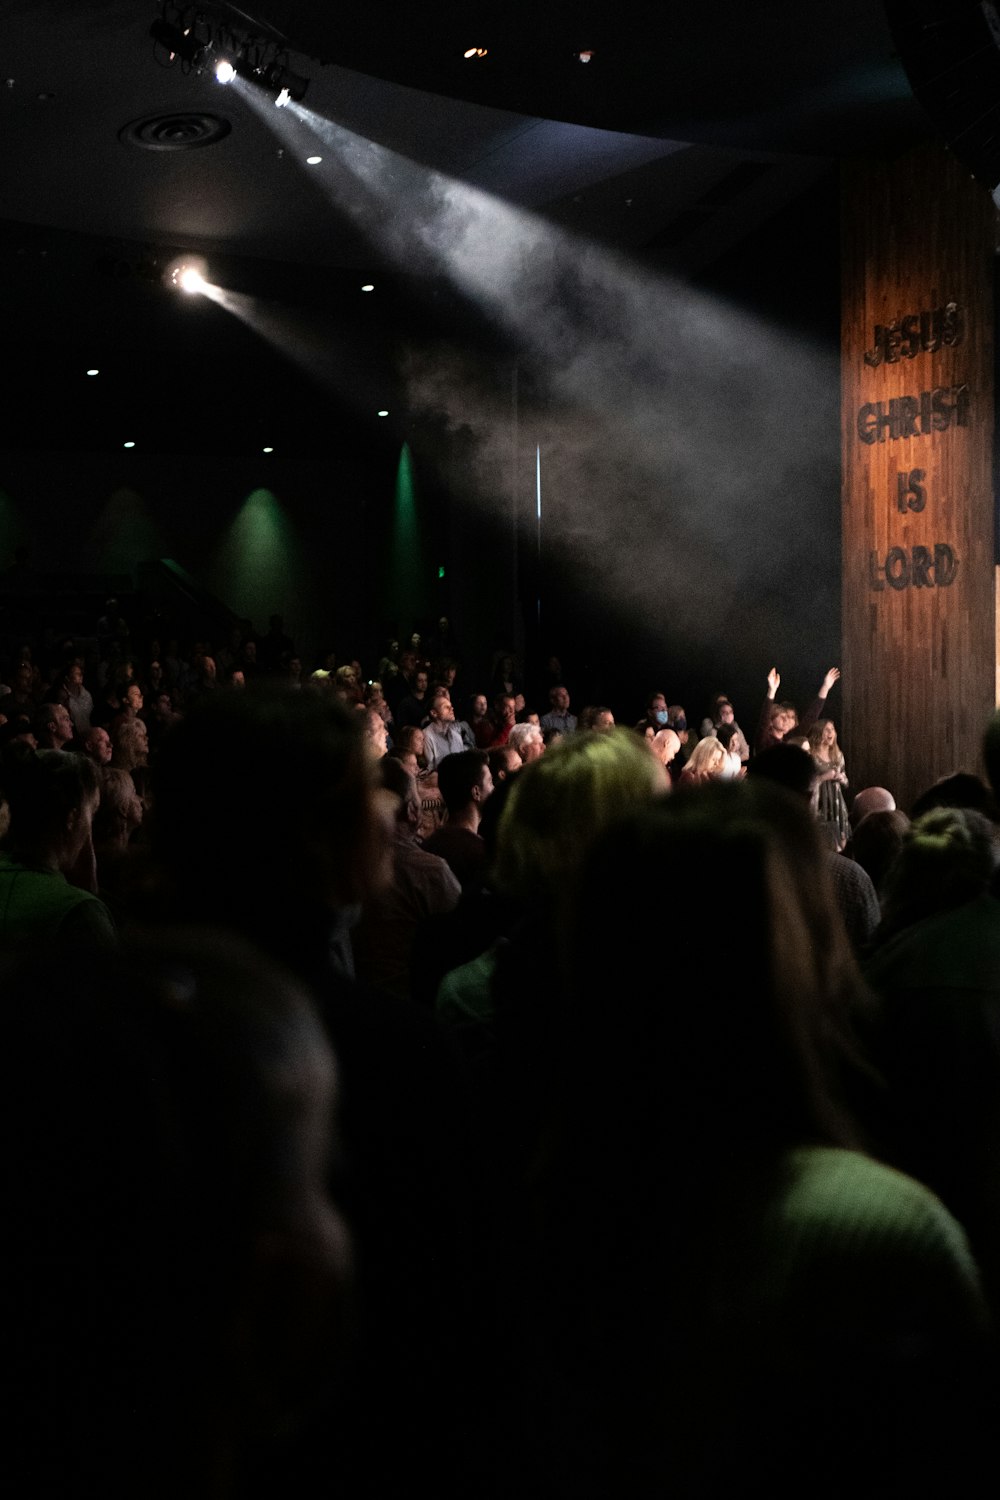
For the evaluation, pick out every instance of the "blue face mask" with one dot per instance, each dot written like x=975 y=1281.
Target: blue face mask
x=661 y=716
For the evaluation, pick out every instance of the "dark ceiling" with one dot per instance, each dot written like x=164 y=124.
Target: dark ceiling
x=689 y=127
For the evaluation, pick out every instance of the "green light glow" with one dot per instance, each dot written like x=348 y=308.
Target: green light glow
x=258 y=568
x=123 y=535
x=407 y=573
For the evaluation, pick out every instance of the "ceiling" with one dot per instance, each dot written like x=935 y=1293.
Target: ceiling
x=689 y=127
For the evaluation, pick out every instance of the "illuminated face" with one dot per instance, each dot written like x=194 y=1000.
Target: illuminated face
x=420 y=686
x=417 y=742
x=559 y=699
x=75 y=675
x=443 y=710
x=726 y=714
x=658 y=705
x=133 y=697
x=604 y=720
x=829 y=734
x=479 y=707
x=98 y=746
x=508 y=711
x=62 y=723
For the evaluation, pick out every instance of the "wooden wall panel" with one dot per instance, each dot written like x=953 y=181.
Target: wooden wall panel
x=920 y=629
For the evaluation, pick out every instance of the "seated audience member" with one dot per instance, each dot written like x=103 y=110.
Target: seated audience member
x=655 y=717
x=480 y=722
x=713 y=1329
x=504 y=718
x=946 y=860
x=376 y=738
x=527 y=740
x=412 y=709
x=779 y=720
x=728 y=736
x=723 y=713
x=559 y=716
x=442 y=735
x=594 y=717
x=75 y=696
x=708 y=761
x=174 y=1108
x=53 y=726
x=420 y=886
x=51 y=801
x=876 y=843
x=665 y=746
x=411 y=739
x=466 y=785
x=871 y=799
x=130 y=745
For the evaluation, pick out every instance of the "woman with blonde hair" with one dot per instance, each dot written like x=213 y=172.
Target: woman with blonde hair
x=831 y=778
x=708 y=761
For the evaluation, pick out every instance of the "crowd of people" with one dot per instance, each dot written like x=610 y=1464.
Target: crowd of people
x=420 y=1083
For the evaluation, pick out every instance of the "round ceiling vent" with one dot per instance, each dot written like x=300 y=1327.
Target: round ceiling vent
x=184 y=132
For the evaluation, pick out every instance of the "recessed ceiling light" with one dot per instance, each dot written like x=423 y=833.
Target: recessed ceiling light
x=383 y=413
x=93 y=372
x=128 y=445
x=368 y=286
x=313 y=161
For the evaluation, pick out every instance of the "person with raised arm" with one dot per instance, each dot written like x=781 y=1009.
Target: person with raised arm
x=777 y=720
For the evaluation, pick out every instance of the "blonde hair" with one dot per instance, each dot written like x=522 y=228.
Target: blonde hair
x=560 y=803
x=707 y=760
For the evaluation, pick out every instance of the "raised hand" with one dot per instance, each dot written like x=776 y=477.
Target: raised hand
x=774 y=681
x=828 y=681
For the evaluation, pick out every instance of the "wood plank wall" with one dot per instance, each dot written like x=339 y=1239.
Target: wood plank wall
x=919 y=660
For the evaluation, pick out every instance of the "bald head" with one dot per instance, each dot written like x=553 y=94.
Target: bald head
x=872 y=799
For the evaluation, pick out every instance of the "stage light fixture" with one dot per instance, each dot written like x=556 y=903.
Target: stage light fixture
x=383 y=413
x=369 y=286
x=313 y=161
x=474 y=52
x=128 y=445
x=93 y=372
x=284 y=97
x=267 y=450
x=225 y=71
x=187 y=274
x=584 y=57
x=179 y=43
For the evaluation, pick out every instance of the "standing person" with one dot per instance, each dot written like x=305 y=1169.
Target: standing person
x=779 y=720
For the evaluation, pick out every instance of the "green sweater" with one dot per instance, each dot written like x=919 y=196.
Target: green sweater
x=40 y=907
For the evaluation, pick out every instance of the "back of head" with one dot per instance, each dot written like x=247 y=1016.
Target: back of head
x=787 y=766
x=459 y=775
x=561 y=802
x=42 y=788
x=946 y=859
x=960 y=789
x=175 y=1103
x=263 y=805
x=721 y=1066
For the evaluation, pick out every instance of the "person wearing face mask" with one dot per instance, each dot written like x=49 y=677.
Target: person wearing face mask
x=656 y=716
